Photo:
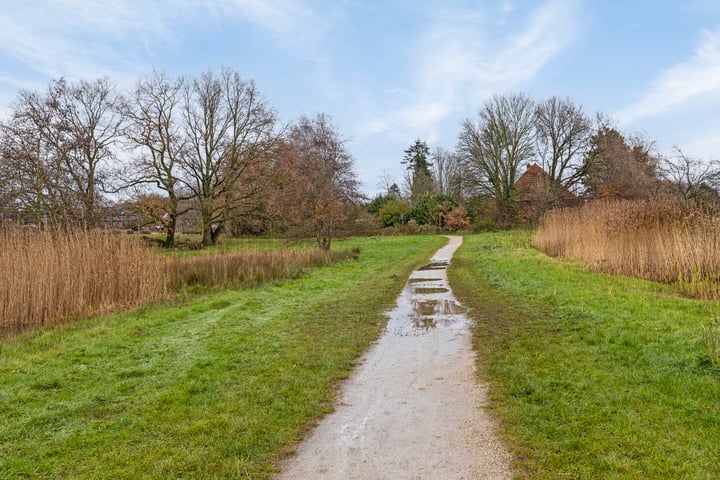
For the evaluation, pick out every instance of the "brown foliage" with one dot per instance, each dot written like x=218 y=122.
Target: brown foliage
x=457 y=219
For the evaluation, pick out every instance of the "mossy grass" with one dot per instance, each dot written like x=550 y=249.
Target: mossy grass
x=213 y=386
x=594 y=375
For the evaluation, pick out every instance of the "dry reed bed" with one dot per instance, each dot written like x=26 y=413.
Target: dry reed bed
x=49 y=276
x=666 y=241
x=249 y=268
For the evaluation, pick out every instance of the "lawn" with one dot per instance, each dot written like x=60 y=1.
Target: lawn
x=594 y=375
x=213 y=386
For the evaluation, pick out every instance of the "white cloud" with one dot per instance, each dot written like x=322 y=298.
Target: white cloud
x=694 y=80
x=462 y=61
x=706 y=145
x=80 y=38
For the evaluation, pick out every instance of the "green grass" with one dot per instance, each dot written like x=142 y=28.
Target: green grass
x=217 y=386
x=594 y=375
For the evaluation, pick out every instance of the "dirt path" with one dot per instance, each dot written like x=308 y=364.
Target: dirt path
x=412 y=409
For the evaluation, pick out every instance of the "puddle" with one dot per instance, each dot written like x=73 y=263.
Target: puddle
x=439 y=307
x=430 y=290
x=427 y=302
x=424 y=308
x=421 y=280
x=434 y=266
x=424 y=323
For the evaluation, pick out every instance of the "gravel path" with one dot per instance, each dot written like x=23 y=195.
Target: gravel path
x=413 y=408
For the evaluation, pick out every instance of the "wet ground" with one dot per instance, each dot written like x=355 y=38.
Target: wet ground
x=413 y=408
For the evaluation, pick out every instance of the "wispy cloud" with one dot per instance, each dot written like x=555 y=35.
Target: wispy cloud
x=460 y=63
x=80 y=38
x=694 y=80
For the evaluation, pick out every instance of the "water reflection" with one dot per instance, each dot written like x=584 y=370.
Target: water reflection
x=427 y=303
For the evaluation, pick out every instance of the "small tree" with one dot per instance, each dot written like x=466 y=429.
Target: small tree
x=691 y=178
x=323 y=178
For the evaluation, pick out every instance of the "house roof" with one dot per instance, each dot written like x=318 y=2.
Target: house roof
x=533 y=177
x=536 y=180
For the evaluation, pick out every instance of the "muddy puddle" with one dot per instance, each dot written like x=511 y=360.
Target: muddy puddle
x=427 y=303
x=412 y=409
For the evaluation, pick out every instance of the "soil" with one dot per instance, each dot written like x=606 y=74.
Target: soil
x=413 y=408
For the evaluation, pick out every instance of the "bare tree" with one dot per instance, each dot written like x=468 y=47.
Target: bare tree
x=155 y=129
x=563 y=139
x=35 y=144
x=387 y=183
x=690 y=177
x=325 y=185
x=91 y=117
x=494 y=147
x=449 y=173
x=229 y=131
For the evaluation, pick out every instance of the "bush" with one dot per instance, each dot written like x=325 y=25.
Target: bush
x=457 y=220
x=394 y=213
x=432 y=209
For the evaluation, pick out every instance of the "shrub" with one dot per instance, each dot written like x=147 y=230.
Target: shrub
x=394 y=213
x=456 y=220
x=432 y=209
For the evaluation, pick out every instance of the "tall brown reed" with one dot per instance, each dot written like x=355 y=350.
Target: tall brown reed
x=248 y=268
x=667 y=241
x=49 y=276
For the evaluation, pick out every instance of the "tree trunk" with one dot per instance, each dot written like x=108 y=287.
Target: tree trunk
x=170 y=233
x=206 y=216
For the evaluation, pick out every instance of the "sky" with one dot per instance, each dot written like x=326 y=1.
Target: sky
x=390 y=72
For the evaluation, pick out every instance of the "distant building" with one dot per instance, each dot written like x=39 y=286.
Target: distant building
x=536 y=194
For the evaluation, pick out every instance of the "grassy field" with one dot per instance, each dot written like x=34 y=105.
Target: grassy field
x=217 y=386
x=594 y=375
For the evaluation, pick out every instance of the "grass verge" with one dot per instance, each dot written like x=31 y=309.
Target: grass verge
x=216 y=387
x=594 y=375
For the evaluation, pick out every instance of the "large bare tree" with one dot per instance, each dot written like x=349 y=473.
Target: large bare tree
x=155 y=128
x=495 y=146
x=449 y=173
x=36 y=144
x=90 y=114
x=230 y=131
x=563 y=138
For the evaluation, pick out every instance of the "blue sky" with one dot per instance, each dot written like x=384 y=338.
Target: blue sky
x=393 y=71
